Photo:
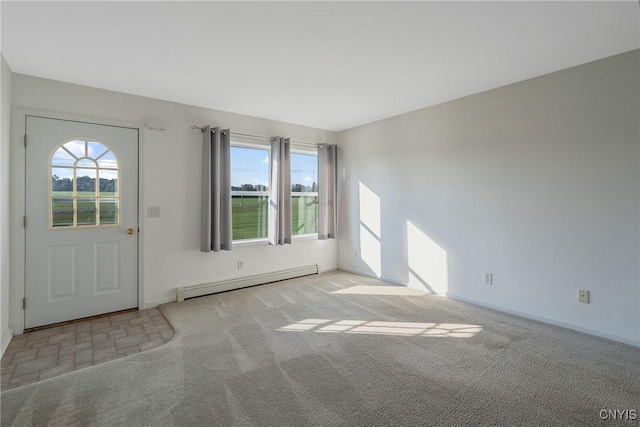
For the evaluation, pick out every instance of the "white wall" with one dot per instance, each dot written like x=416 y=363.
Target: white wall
x=170 y=178
x=537 y=182
x=5 y=101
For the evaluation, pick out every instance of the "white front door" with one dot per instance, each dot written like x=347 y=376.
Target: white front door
x=81 y=220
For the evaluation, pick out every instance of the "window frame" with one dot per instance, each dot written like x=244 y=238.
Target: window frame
x=310 y=151
x=74 y=196
x=251 y=143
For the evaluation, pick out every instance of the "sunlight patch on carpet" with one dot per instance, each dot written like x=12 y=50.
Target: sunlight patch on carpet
x=381 y=290
x=432 y=330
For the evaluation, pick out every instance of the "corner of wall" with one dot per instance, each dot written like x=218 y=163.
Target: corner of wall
x=7 y=334
x=533 y=202
x=5 y=118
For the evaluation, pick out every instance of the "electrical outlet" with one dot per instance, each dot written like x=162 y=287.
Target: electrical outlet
x=488 y=278
x=240 y=265
x=583 y=296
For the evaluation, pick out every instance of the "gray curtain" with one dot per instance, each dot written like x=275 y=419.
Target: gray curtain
x=216 y=190
x=280 y=192
x=327 y=191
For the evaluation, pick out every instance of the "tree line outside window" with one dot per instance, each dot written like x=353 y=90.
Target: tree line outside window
x=295 y=188
x=84 y=184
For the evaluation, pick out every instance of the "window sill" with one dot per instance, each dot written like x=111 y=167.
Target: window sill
x=305 y=237
x=260 y=242
x=249 y=242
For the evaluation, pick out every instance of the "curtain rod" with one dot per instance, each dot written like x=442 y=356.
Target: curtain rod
x=194 y=127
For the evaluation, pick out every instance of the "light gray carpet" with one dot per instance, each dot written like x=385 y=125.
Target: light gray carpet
x=297 y=353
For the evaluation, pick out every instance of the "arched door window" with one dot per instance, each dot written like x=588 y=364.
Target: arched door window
x=84 y=189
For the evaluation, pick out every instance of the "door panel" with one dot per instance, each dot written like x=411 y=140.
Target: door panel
x=81 y=197
x=106 y=266
x=62 y=269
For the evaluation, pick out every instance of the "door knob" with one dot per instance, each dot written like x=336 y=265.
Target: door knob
x=131 y=231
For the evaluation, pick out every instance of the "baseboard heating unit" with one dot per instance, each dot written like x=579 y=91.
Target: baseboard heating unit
x=187 y=292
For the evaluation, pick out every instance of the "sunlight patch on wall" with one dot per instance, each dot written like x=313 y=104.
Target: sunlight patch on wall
x=370 y=251
x=416 y=283
x=370 y=229
x=428 y=265
x=373 y=327
x=380 y=290
x=370 y=210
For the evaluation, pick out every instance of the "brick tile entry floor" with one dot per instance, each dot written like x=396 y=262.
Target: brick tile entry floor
x=46 y=353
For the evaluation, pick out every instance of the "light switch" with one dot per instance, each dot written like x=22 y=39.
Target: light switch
x=153 y=211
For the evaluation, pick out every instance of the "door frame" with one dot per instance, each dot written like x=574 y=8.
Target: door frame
x=17 y=202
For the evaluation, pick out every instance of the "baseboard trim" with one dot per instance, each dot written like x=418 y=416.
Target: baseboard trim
x=6 y=339
x=387 y=279
x=156 y=302
x=543 y=319
x=393 y=281
x=358 y=272
x=327 y=269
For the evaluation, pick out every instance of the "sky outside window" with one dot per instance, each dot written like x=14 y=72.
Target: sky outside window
x=249 y=166
x=304 y=171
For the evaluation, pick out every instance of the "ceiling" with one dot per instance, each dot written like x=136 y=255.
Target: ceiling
x=329 y=65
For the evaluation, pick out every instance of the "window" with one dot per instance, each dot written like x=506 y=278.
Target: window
x=84 y=185
x=250 y=180
x=304 y=193
x=249 y=192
